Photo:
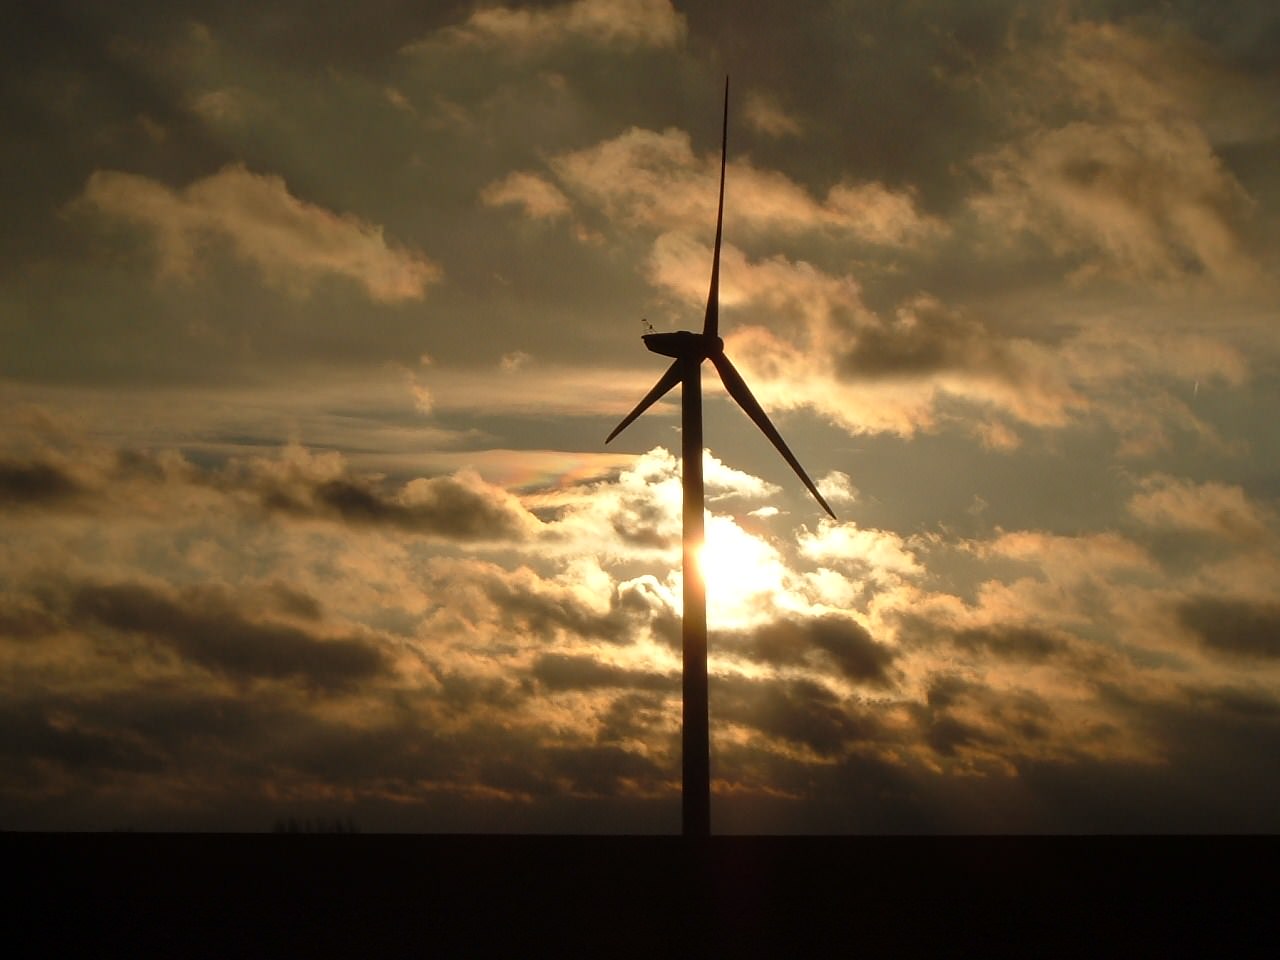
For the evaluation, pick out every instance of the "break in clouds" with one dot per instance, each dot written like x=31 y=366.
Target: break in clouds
x=311 y=331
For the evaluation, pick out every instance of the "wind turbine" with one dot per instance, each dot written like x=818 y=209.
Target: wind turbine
x=689 y=350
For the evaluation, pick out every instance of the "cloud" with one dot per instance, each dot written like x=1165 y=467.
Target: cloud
x=847 y=544
x=983 y=728
x=884 y=216
x=35 y=483
x=1010 y=642
x=764 y=114
x=602 y=770
x=541 y=199
x=1066 y=559
x=1115 y=165
x=626 y=24
x=825 y=349
x=22 y=619
x=549 y=674
x=923 y=338
x=642 y=177
x=1215 y=509
x=292 y=243
x=564 y=672
x=591 y=607
x=798 y=711
x=205 y=627
x=297 y=482
x=513 y=361
x=70 y=477
x=836 y=487
x=1238 y=628
x=460 y=507
x=842 y=642
x=225 y=107
x=723 y=481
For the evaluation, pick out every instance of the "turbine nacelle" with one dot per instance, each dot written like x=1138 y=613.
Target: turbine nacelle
x=684 y=344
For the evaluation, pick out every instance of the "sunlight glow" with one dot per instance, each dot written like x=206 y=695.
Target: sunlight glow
x=744 y=574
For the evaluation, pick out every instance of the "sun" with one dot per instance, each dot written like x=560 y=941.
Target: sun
x=743 y=574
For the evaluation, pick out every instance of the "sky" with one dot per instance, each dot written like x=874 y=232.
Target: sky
x=313 y=321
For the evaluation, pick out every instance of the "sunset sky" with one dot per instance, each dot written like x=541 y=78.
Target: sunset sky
x=314 y=317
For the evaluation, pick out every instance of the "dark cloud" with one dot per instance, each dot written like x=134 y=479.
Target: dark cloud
x=441 y=506
x=799 y=711
x=528 y=609
x=204 y=627
x=1241 y=704
x=295 y=603
x=563 y=672
x=100 y=474
x=631 y=716
x=959 y=713
x=1237 y=627
x=515 y=776
x=925 y=338
x=467 y=693
x=602 y=770
x=640 y=524
x=36 y=734
x=24 y=620
x=1004 y=641
x=461 y=507
x=36 y=483
x=846 y=643
x=1010 y=642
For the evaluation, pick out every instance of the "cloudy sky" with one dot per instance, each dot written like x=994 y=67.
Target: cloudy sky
x=313 y=321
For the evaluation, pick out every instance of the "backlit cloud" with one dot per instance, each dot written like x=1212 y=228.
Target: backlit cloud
x=1214 y=509
x=539 y=198
x=461 y=507
x=613 y=23
x=764 y=114
x=1128 y=180
x=291 y=242
x=643 y=177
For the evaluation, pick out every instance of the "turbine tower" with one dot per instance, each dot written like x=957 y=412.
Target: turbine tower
x=688 y=350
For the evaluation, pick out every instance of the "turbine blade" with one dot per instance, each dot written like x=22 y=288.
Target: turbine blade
x=740 y=392
x=664 y=384
x=711 y=324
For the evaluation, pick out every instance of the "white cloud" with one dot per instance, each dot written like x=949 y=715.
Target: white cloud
x=764 y=114
x=882 y=215
x=293 y=243
x=514 y=360
x=723 y=480
x=884 y=554
x=226 y=106
x=837 y=487
x=540 y=198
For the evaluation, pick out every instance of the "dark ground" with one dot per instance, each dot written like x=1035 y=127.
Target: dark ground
x=184 y=895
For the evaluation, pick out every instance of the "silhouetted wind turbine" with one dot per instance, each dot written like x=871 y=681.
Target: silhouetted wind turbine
x=689 y=350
